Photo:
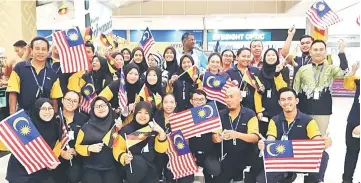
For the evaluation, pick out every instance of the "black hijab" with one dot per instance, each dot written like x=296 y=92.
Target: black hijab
x=143 y=66
x=102 y=124
x=49 y=130
x=157 y=88
x=102 y=74
x=130 y=53
x=132 y=89
x=172 y=66
x=134 y=125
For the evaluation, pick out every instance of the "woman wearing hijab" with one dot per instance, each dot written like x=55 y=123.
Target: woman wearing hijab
x=170 y=65
x=132 y=87
x=42 y=116
x=139 y=59
x=140 y=155
x=153 y=81
x=127 y=55
x=99 y=165
x=227 y=59
x=183 y=86
x=71 y=167
x=154 y=60
x=100 y=75
x=273 y=76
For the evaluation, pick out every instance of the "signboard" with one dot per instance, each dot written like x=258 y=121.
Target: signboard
x=100 y=18
x=238 y=36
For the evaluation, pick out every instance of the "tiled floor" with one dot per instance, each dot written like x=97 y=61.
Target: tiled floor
x=337 y=128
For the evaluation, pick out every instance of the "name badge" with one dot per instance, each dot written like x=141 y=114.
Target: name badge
x=284 y=137
x=71 y=135
x=146 y=149
x=244 y=93
x=316 y=95
x=264 y=119
x=234 y=142
x=198 y=136
x=269 y=93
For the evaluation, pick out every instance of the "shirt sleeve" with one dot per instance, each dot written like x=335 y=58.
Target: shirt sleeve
x=57 y=148
x=106 y=93
x=14 y=83
x=75 y=80
x=161 y=146
x=279 y=82
x=349 y=83
x=55 y=91
x=119 y=150
x=81 y=149
x=312 y=129
x=252 y=126
x=272 y=129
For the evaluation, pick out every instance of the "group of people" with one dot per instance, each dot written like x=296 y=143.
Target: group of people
x=267 y=102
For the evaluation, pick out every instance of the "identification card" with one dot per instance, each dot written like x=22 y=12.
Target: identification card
x=146 y=149
x=244 y=93
x=198 y=136
x=264 y=119
x=316 y=95
x=71 y=135
x=284 y=137
x=234 y=142
x=37 y=93
x=269 y=93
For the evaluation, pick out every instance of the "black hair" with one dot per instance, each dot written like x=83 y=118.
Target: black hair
x=89 y=44
x=199 y=92
x=224 y=51
x=242 y=49
x=318 y=41
x=286 y=89
x=213 y=54
x=306 y=36
x=116 y=44
x=256 y=40
x=185 y=35
x=117 y=53
x=20 y=43
x=39 y=39
x=170 y=93
x=72 y=91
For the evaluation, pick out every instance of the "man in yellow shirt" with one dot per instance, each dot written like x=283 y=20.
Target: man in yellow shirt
x=292 y=124
x=32 y=79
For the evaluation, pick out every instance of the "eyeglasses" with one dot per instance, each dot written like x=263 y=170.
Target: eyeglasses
x=101 y=106
x=199 y=99
x=71 y=101
x=47 y=109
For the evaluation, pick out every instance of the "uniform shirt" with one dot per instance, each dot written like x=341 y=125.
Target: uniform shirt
x=63 y=77
x=302 y=127
x=75 y=81
x=353 y=83
x=23 y=81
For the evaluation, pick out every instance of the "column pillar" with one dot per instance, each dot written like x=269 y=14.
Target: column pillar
x=18 y=21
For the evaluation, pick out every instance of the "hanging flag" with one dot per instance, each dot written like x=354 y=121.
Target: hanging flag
x=88 y=93
x=215 y=86
x=191 y=73
x=107 y=40
x=197 y=120
x=24 y=141
x=138 y=136
x=122 y=93
x=147 y=41
x=293 y=156
x=88 y=35
x=71 y=49
x=321 y=15
x=64 y=135
x=181 y=161
x=110 y=139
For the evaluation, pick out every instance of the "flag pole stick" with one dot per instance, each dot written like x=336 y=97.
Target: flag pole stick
x=186 y=71
x=126 y=143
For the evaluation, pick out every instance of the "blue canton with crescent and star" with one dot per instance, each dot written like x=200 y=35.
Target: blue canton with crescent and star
x=204 y=112
x=73 y=37
x=278 y=149
x=179 y=143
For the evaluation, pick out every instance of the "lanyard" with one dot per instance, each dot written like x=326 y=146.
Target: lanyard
x=52 y=64
x=305 y=60
x=240 y=85
x=37 y=82
x=230 y=122
x=319 y=74
x=289 y=129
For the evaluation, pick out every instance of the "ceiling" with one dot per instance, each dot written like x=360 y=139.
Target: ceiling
x=202 y=7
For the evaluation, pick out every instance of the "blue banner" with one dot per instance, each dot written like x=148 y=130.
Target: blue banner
x=166 y=35
x=45 y=33
x=120 y=33
x=239 y=36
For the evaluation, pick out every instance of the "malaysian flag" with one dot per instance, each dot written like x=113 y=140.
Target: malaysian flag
x=71 y=48
x=64 y=129
x=88 y=94
x=123 y=100
x=293 y=156
x=181 y=160
x=215 y=86
x=321 y=15
x=147 y=41
x=20 y=136
x=196 y=121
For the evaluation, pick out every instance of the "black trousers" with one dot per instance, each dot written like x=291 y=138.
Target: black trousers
x=150 y=177
x=35 y=180
x=100 y=176
x=65 y=173
x=352 y=152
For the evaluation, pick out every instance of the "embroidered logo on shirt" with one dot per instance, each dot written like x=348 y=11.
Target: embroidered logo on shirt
x=299 y=126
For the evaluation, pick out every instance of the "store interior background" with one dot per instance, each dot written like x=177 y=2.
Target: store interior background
x=169 y=19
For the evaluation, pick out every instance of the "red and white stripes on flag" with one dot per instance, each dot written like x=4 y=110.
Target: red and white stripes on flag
x=181 y=166
x=65 y=135
x=307 y=155
x=218 y=95
x=71 y=49
x=321 y=15
x=34 y=156
x=147 y=41
x=122 y=93
x=85 y=104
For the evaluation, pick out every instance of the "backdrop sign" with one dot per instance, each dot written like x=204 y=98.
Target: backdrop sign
x=100 y=18
x=239 y=36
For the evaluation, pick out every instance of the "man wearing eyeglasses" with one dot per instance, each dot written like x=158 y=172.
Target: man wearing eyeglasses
x=305 y=45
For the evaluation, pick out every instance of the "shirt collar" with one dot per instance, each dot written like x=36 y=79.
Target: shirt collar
x=28 y=63
x=283 y=118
